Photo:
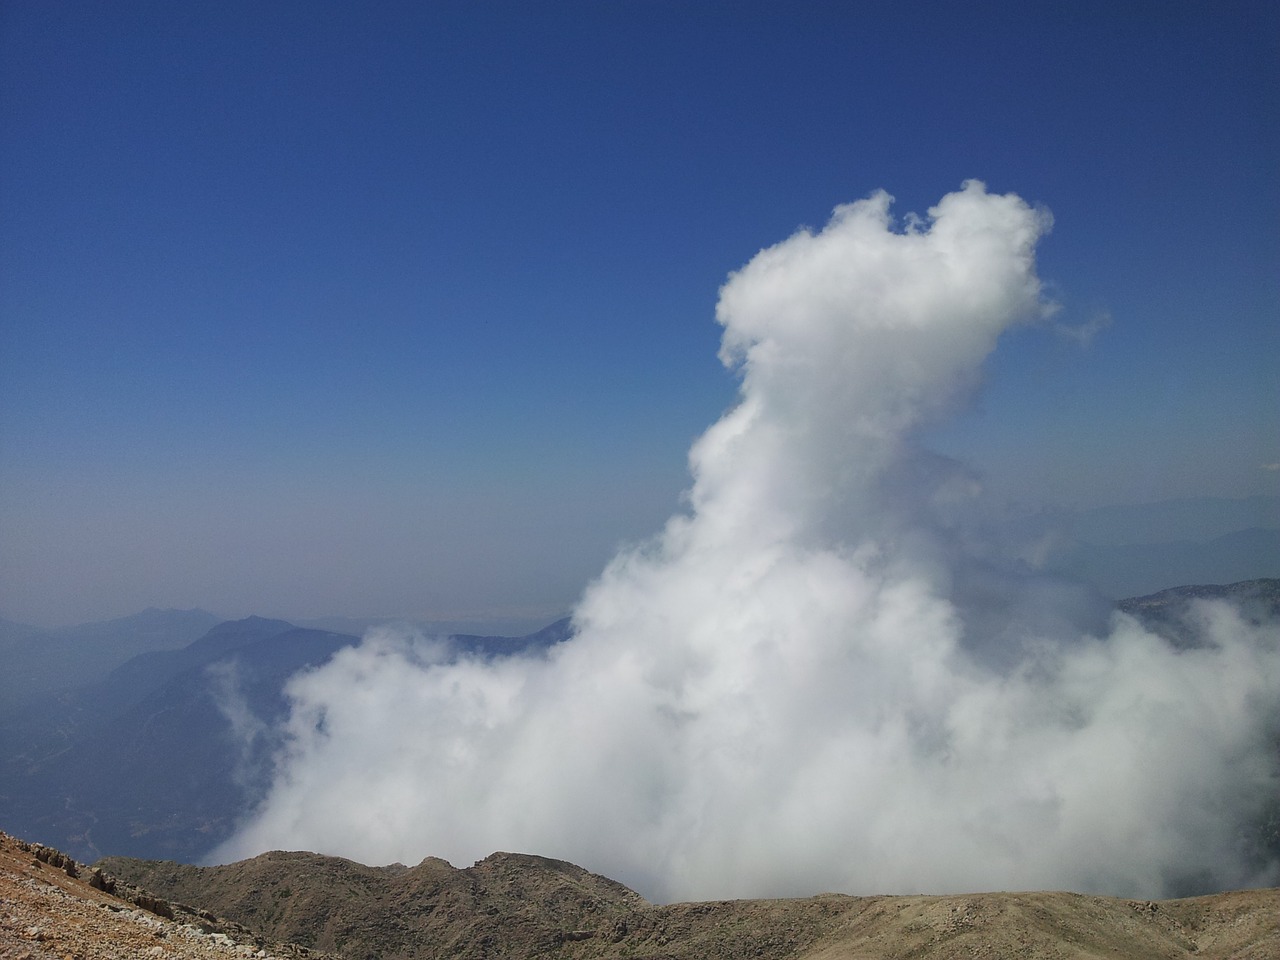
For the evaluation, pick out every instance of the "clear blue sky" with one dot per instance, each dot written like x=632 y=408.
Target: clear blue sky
x=407 y=308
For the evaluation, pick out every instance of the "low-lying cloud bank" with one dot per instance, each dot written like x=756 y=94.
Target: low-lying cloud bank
x=811 y=680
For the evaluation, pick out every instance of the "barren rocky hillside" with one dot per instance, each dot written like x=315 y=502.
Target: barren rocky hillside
x=53 y=908
x=516 y=906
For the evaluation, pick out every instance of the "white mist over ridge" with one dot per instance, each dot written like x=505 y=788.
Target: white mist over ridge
x=806 y=682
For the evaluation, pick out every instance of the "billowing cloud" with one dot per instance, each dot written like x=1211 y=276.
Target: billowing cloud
x=810 y=679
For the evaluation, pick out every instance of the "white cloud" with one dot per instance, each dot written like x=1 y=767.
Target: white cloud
x=1083 y=333
x=804 y=684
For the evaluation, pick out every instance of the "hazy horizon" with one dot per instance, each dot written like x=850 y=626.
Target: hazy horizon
x=1158 y=522
x=315 y=310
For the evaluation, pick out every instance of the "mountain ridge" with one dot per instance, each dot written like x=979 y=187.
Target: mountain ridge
x=521 y=905
x=517 y=906
x=44 y=662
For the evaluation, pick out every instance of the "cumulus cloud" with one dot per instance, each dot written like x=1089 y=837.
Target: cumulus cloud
x=812 y=679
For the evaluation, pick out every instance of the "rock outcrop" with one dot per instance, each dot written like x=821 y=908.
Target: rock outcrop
x=54 y=907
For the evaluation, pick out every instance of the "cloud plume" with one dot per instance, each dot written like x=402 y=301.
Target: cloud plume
x=811 y=679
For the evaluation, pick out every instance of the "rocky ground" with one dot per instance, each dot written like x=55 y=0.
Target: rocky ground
x=53 y=908
x=518 y=906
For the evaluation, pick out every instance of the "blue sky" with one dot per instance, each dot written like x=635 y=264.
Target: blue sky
x=408 y=309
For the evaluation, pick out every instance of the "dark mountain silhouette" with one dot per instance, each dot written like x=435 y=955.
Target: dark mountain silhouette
x=40 y=662
x=548 y=636
x=152 y=758
x=1169 y=612
x=161 y=757
x=134 y=680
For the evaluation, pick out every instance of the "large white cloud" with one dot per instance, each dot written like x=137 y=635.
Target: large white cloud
x=804 y=682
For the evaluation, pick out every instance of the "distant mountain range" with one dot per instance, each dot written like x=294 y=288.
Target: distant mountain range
x=39 y=662
x=1166 y=612
x=1125 y=570
x=1134 y=549
x=1191 y=519
x=160 y=757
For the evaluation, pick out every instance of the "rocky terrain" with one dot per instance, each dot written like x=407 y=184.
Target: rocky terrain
x=53 y=908
x=517 y=906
